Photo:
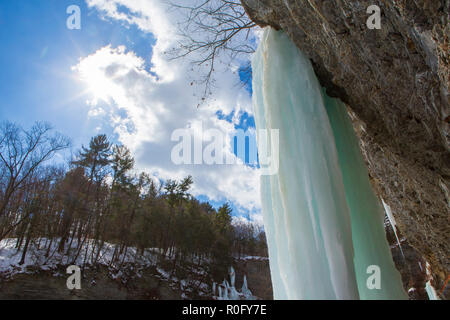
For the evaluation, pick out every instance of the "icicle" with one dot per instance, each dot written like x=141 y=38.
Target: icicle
x=232 y=276
x=391 y=219
x=220 y=293
x=431 y=292
x=245 y=290
x=225 y=293
x=244 y=284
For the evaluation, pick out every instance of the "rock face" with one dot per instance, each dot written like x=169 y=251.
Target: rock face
x=258 y=277
x=395 y=81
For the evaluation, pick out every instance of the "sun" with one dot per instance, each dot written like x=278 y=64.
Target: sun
x=95 y=72
x=98 y=84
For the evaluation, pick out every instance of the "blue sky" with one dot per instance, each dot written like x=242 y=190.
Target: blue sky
x=44 y=69
x=36 y=82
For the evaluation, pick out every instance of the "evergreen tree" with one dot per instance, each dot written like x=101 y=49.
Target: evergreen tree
x=96 y=157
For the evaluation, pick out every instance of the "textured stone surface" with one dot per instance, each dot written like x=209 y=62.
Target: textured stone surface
x=258 y=277
x=395 y=81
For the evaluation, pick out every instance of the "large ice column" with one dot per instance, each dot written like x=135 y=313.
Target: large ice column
x=306 y=216
x=319 y=206
x=369 y=237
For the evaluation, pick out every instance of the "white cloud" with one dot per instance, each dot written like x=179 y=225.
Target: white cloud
x=145 y=109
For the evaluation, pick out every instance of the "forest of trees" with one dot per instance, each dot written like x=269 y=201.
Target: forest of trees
x=98 y=197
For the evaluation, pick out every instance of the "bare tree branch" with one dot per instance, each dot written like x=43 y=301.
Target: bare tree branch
x=213 y=29
x=22 y=153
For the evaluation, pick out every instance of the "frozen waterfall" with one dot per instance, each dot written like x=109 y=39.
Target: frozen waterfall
x=323 y=223
x=227 y=291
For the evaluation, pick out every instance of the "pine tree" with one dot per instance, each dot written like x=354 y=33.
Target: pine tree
x=121 y=163
x=96 y=157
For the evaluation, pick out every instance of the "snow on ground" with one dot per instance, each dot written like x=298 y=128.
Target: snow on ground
x=10 y=257
x=38 y=258
x=128 y=263
x=163 y=273
x=254 y=258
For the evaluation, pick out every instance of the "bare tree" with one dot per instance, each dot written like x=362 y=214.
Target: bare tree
x=213 y=29
x=22 y=153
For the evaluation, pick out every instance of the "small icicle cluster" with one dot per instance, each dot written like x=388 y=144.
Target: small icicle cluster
x=227 y=291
